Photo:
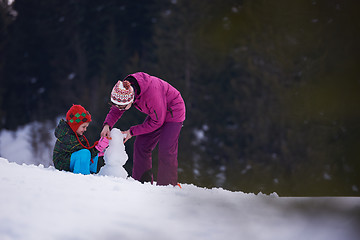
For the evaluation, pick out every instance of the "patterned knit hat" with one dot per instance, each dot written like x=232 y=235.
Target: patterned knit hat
x=76 y=116
x=122 y=93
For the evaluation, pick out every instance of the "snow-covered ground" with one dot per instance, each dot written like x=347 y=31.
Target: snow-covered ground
x=43 y=203
x=38 y=202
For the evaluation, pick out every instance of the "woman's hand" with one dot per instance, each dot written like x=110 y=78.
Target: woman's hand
x=128 y=135
x=105 y=132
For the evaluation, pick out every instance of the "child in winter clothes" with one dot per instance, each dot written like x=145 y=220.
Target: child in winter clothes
x=72 y=151
x=166 y=112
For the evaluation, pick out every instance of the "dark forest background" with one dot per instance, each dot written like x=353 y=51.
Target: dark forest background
x=272 y=88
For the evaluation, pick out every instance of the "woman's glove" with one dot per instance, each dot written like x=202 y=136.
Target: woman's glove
x=102 y=144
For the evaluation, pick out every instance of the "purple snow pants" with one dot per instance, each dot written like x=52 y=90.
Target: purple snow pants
x=167 y=136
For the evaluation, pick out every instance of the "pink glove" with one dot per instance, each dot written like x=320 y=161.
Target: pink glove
x=101 y=154
x=102 y=144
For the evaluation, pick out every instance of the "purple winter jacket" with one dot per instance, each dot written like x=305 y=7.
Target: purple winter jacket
x=158 y=99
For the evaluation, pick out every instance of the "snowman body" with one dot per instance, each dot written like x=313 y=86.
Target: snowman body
x=115 y=156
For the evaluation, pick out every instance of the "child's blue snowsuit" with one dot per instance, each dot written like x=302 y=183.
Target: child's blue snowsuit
x=80 y=162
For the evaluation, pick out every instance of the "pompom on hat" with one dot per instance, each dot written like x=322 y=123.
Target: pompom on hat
x=122 y=93
x=76 y=116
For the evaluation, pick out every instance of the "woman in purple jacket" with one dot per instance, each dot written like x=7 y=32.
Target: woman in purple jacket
x=166 y=113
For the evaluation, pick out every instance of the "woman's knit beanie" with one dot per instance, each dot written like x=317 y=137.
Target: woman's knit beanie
x=122 y=93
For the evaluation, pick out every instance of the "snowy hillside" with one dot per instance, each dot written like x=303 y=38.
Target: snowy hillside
x=29 y=144
x=43 y=203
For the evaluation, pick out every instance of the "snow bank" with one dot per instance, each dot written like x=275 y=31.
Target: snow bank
x=44 y=203
x=30 y=144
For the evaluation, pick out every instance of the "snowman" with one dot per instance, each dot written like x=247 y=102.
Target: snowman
x=115 y=156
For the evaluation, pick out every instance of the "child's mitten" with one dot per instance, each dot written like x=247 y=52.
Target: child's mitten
x=102 y=144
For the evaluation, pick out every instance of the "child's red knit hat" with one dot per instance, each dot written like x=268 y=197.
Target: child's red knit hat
x=76 y=116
